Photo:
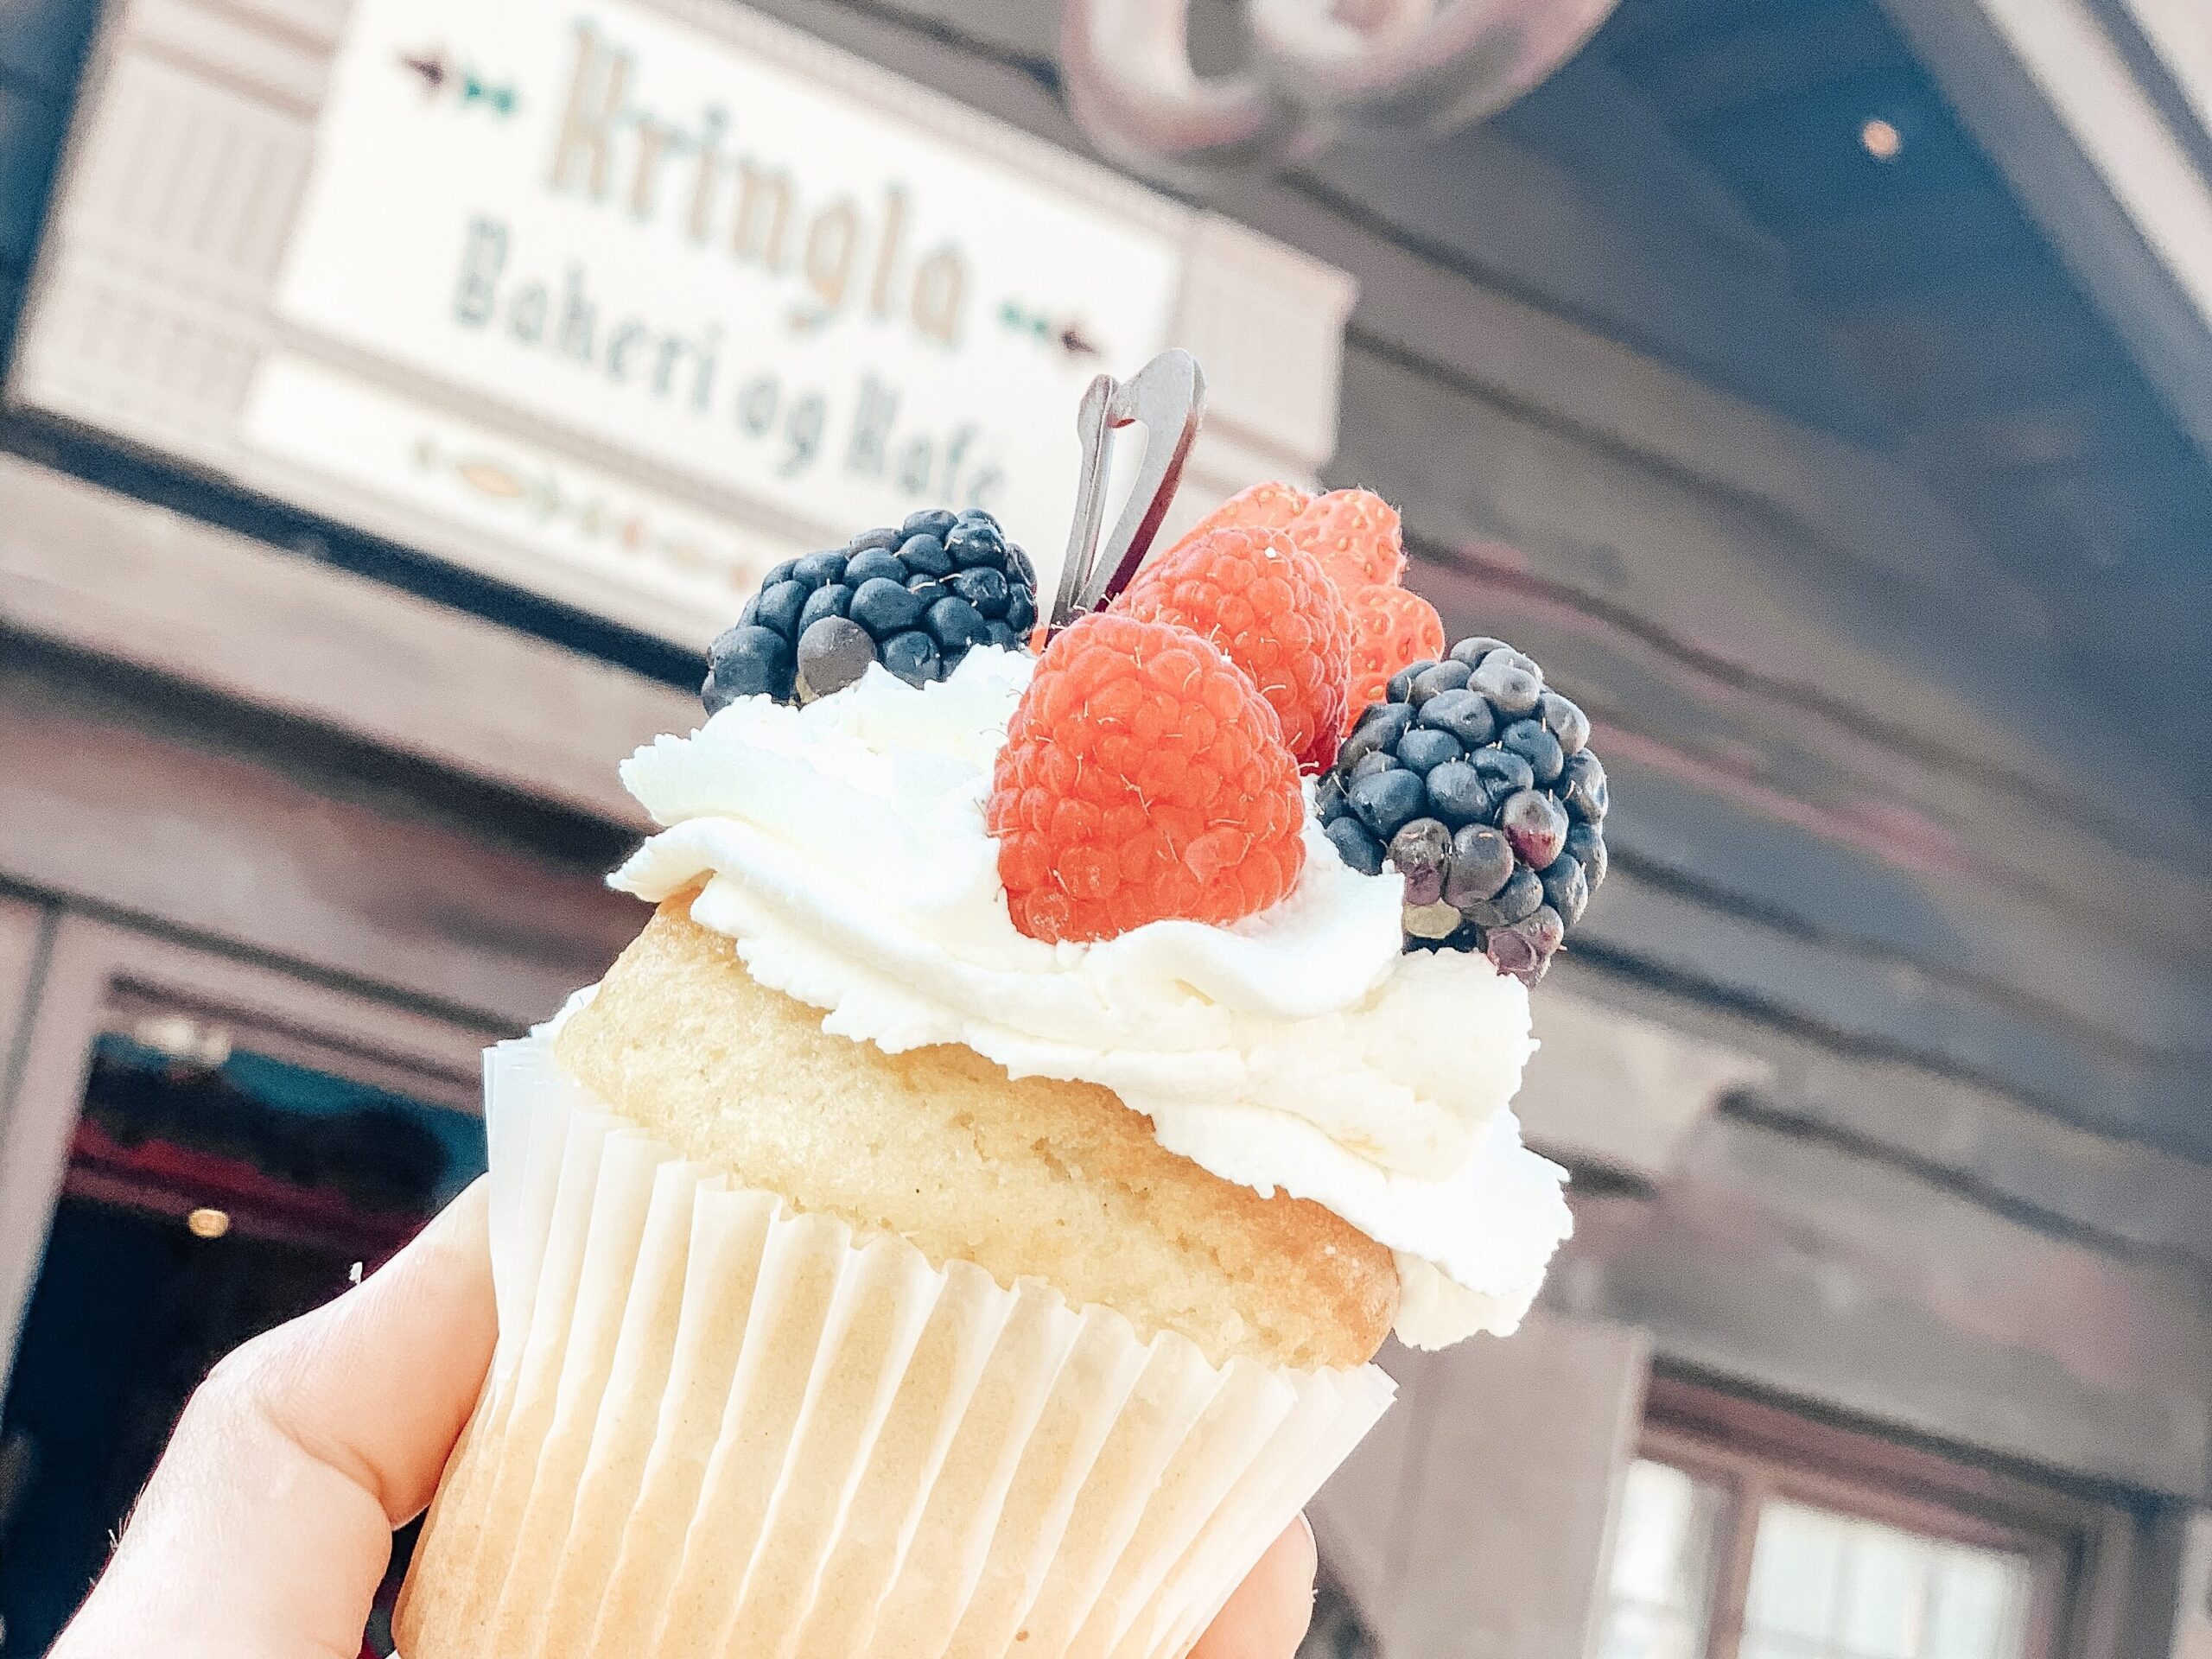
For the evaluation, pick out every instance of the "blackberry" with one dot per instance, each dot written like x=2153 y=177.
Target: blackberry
x=916 y=597
x=1424 y=749
x=1475 y=782
x=1387 y=801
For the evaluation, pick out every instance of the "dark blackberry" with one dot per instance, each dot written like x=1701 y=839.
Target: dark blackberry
x=1522 y=892
x=1537 y=746
x=1387 y=800
x=1482 y=863
x=1421 y=852
x=976 y=543
x=1379 y=728
x=1564 y=721
x=983 y=587
x=828 y=600
x=1504 y=772
x=912 y=656
x=834 y=651
x=956 y=625
x=1535 y=824
x=1457 y=793
x=1504 y=677
x=1586 y=845
x=874 y=564
x=816 y=569
x=925 y=555
x=1462 y=713
x=1525 y=949
x=1582 y=788
x=1566 y=888
x=930 y=521
x=885 y=607
x=1475 y=783
x=1402 y=682
x=1432 y=681
x=1424 y=748
x=1354 y=845
x=916 y=597
x=1367 y=765
x=747 y=661
x=780 y=605
x=1472 y=650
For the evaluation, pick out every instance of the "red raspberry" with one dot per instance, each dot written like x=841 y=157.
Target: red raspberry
x=1355 y=535
x=1277 y=615
x=1393 y=626
x=1142 y=778
x=1264 y=506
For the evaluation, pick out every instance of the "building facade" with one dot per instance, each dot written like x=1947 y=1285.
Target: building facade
x=399 y=397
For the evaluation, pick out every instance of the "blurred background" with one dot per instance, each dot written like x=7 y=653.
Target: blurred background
x=399 y=393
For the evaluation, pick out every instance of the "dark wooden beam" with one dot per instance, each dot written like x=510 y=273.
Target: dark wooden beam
x=1754 y=746
x=1640 y=925
x=141 y=584
x=1786 y=1266
x=1921 y=655
x=132 y=798
x=1999 y=1150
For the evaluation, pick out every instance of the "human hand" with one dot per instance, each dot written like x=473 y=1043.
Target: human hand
x=266 y=1528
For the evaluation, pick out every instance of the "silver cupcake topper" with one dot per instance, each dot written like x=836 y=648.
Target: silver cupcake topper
x=1167 y=398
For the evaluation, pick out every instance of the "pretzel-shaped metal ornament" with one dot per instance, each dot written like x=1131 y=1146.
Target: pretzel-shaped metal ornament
x=1167 y=398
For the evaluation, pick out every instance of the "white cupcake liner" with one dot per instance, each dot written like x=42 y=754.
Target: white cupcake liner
x=715 y=1428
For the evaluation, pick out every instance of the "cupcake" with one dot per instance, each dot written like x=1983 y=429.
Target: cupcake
x=963 y=1220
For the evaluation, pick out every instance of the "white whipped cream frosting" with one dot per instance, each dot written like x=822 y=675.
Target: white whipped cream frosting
x=843 y=850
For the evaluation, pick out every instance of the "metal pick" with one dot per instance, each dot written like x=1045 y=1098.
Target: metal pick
x=1167 y=398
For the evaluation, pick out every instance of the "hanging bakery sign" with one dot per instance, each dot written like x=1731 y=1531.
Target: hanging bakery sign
x=622 y=300
x=693 y=251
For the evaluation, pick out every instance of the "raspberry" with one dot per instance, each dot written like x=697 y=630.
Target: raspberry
x=1392 y=626
x=1143 y=778
x=1355 y=535
x=1276 y=614
x=1263 y=506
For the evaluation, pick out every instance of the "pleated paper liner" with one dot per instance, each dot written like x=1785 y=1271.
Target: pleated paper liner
x=713 y=1426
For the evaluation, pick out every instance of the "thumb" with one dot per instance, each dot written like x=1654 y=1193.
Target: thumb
x=1267 y=1616
x=267 y=1525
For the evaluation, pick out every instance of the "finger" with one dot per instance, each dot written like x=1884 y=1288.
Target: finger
x=267 y=1525
x=1267 y=1615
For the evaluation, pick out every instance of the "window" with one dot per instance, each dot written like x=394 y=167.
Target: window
x=1662 y=1564
x=1747 y=1533
x=1828 y=1587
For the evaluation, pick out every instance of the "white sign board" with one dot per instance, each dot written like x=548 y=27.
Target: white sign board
x=769 y=285
x=619 y=302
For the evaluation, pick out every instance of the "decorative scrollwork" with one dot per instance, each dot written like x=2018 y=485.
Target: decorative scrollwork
x=1317 y=69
